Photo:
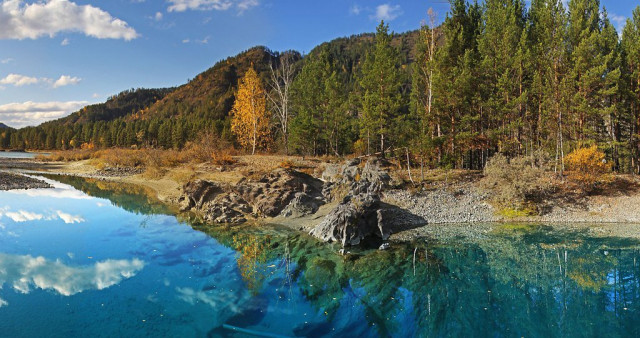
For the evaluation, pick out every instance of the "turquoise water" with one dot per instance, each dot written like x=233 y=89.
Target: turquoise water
x=90 y=259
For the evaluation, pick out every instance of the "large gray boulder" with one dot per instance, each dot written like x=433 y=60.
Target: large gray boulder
x=196 y=193
x=298 y=193
x=351 y=221
x=274 y=191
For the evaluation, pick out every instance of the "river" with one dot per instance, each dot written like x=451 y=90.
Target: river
x=19 y=154
x=90 y=258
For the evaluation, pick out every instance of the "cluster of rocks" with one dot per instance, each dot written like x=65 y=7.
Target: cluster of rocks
x=10 y=181
x=355 y=184
x=283 y=191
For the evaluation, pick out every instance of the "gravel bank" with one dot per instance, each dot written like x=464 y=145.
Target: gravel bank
x=10 y=181
x=457 y=204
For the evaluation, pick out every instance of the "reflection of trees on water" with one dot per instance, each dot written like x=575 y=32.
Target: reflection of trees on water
x=524 y=281
x=132 y=198
x=527 y=283
x=252 y=254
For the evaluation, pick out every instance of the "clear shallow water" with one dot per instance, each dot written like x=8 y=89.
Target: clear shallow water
x=18 y=154
x=76 y=265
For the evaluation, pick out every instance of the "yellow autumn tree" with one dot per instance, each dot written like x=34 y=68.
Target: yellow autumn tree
x=588 y=167
x=250 y=121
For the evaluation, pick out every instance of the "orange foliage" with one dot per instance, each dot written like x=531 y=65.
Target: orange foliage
x=87 y=146
x=588 y=167
x=250 y=119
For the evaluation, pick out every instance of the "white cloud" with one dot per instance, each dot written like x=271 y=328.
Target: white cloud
x=3 y=302
x=64 y=42
x=185 y=40
x=355 y=10
x=218 y=300
x=26 y=272
x=20 y=20
x=158 y=16
x=207 y=5
x=387 y=12
x=23 y=216
x=66 y=80
x=68 y=218
x=18 y=80
x=5 y=61
x=244 y=5
x=203 y=41
x=33 y=113
x=619 y=21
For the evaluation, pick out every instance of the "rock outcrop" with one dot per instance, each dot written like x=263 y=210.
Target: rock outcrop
x=269 y=196
x=360 y=214
x=273 y=192
x=351 y=221
x=289 y=193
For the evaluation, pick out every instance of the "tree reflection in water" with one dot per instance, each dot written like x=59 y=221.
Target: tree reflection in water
x=528 y=281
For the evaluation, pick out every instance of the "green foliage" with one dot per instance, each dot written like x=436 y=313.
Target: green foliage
x=495 y=77
x=381 y=84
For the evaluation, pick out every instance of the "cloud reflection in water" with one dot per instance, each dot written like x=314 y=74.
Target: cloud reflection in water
x=23 y=273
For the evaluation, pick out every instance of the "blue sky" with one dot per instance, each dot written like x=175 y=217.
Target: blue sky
x=59 y=55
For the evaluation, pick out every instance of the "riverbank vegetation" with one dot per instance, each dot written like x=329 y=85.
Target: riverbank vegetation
x=498 y=77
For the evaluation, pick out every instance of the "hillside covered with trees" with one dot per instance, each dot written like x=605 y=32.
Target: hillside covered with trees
x=496 y=77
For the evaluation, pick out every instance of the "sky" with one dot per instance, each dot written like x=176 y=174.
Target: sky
x=57 y=56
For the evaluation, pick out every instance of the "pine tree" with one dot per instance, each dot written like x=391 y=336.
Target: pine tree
x=381 y=84
x=455 y=94
x=250 y=122
x=631 y=75
x=422 y=90
x=503 y=71
x=610 y=92
x=549 y=41
x=588 y=67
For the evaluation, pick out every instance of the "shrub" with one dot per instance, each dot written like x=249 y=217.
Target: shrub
x=517 y=183
x=588 y=167
x=287 y=164
x=222 y=158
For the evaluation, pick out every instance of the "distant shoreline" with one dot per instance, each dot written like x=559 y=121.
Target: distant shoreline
x=433 y=213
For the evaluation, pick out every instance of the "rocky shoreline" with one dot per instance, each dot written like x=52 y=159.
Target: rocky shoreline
x=11 y=181
x=350 y=202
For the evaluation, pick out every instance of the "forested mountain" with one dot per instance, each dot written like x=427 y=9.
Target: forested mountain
x=4 y=126
x=126 y=103
x=502 y=76
x=171 y=117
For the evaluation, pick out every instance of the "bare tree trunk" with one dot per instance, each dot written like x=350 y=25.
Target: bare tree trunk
x=409 y=165
x=281 y=80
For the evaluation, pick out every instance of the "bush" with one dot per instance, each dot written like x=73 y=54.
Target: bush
x=517 y=183
x=588 y=167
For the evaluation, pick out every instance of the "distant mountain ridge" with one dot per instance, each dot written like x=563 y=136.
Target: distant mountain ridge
x=212 y=92
x=170 y=117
